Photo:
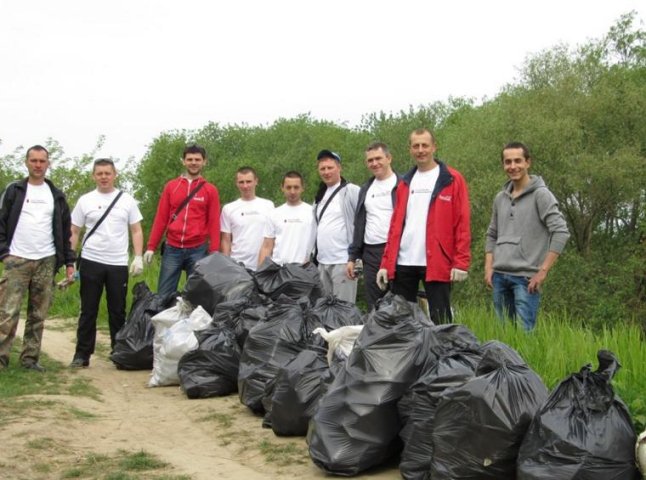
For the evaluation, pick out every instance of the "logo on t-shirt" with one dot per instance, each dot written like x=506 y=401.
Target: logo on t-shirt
x=380 y=194
x=421 y=191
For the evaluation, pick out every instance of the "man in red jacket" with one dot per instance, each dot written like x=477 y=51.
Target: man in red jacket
x=188 y=225
x=430 y=236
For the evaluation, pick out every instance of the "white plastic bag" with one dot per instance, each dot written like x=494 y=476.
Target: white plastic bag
x=173 y=338
x=339 y=341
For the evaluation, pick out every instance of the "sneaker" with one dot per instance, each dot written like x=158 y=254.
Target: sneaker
x=35 y=366
x=79 y=363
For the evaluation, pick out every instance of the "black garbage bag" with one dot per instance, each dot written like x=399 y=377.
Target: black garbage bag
x=241 y=315
x=270 y=345
x=295 y=393
x=215 y=279
x=212 y=369
x=292 y=280
x=583 y=431
x=417 y=407
x=331 y=313
x=356 y=425
x=133 y=343
x=452 y=337
x=479 y=425
x=503 y=352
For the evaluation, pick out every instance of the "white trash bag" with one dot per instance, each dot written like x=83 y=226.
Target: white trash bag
x=173 y=338
x=340 y=341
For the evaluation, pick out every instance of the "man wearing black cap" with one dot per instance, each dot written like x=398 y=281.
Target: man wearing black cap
x=335 y=206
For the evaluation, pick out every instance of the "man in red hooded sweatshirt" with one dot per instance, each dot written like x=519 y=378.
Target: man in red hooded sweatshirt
x=188 y=225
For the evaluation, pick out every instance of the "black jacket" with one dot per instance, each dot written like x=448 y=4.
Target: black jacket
x=11 y=207
x=355 y=250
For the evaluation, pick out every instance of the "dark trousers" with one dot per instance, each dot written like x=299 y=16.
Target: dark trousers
x=94 y=276
x=438 y=294
x=371 y=260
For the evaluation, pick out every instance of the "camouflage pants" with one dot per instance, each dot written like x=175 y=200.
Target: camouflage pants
x=36 y=276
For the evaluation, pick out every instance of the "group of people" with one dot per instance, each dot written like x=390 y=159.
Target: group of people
x=400 y=230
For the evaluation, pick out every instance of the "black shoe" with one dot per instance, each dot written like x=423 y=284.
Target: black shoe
x=79 y=363
x=35 y=366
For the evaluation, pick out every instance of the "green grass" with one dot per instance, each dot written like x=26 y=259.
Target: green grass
x=558 y=348
x=122 y=466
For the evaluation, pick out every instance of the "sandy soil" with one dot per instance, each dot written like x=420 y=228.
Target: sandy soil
x=188 y=434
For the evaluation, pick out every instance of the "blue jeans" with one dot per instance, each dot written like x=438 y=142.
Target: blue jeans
x=173 y=262
x=511 y=299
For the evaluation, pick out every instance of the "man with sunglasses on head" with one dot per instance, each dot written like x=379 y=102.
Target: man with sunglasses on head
x=107 y=215
x=189 y=213
x=34 y=244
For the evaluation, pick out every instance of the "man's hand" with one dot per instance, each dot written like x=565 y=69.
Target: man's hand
x=69 y=277
x=137 y=265
x=148 y=257
x=382 y=279
x=534 y=285
x=349 y=270
x=488 y=277
x=458 y=275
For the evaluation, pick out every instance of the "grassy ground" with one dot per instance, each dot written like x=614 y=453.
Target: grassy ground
x=558 y=347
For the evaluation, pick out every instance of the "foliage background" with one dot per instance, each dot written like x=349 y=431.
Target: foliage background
x=580 y=110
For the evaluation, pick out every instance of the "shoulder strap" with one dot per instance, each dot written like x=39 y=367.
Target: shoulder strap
x=185 y=201
x=320 y=216
x=103 y=217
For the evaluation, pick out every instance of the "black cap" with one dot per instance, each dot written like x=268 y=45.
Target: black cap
x=328 y=154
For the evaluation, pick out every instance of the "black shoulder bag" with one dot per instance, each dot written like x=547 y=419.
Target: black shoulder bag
x=96 y=225
x=181 y=206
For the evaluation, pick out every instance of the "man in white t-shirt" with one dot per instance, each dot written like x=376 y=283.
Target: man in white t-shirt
x=290 y=231
x=374 y=210
x=104 y=256
x=334 y=210
x=34 y=244
x=242 y=222
x=429 y=239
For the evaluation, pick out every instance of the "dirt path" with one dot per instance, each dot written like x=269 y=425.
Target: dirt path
x=206 y=439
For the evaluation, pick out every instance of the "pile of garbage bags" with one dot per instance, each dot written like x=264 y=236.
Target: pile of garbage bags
x=384 y=387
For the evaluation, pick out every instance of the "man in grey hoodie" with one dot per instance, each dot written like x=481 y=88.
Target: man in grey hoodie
x=526 y=235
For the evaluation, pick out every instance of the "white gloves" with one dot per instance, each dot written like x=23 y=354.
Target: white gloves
x=148 y=257
x=458 y=275
x=137 y=265
x=382 y=279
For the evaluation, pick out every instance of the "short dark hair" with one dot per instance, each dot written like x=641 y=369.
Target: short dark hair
x=520 y=145
x=194 y=148
x=292 y=174
x=244 y=170
x=37 y=148
x=422 y=131
x=378 y=146
x=103 y=162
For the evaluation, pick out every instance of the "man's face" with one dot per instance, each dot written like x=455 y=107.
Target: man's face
x=329 y=171
x=514 y=163
x=247 y=183
x=194 y=163
x=292 y=189
x=37 y=164
x=104 y=177
x=422 y=149
x=379 y=163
